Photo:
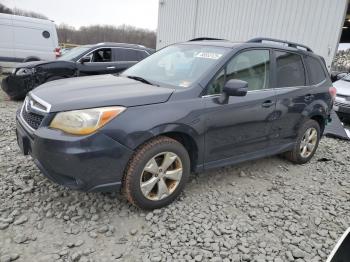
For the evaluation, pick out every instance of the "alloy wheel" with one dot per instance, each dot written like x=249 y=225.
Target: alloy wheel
x=308 y=142
x=161 y=176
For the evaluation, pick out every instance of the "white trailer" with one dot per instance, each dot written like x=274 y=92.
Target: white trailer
x=315 y=23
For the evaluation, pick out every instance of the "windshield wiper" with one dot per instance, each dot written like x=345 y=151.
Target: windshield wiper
x=138 y=78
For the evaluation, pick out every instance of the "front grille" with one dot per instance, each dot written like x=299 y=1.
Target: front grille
x=341 y=104
x=33 y=111
x=32 y=119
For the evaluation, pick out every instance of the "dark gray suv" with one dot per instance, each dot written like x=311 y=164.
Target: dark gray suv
x=189 y=107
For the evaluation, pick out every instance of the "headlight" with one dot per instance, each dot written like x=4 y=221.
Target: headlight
x=84 y=122
x=24 y=71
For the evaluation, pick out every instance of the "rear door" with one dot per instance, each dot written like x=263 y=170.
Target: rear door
x=241 y=127
x=319 y=80
x=294 y=95
x=127 y=57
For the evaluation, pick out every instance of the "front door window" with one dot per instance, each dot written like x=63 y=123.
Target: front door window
x=252 y=66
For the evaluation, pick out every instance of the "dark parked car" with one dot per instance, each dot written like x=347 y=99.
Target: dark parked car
x=103 y=58
x=342 y=100
x=336 y=75
x=189 y=107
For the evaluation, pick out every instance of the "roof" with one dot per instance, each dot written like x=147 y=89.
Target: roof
x=120 y=45
x=218 y=43
x=26 y=19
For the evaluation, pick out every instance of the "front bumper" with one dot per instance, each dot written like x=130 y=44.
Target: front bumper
x=89 y=163
x=16 y=87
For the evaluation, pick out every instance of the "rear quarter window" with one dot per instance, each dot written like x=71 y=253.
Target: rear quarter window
x=290 y=70
x=316 y=71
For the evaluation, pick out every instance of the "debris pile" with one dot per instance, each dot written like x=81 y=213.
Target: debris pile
x=341 y=61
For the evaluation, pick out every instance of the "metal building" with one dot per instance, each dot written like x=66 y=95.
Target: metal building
x=316 y=23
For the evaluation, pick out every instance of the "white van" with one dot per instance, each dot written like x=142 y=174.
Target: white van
x=25 y=39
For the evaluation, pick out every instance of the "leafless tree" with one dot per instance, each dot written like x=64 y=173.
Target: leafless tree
x=95 y=33
x=106 y=33
x=17 y=11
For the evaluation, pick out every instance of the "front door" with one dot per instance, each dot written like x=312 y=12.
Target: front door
x=103 y=61
x=242 y=126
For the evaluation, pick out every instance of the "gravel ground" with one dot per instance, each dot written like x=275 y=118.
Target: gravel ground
x=265 y=210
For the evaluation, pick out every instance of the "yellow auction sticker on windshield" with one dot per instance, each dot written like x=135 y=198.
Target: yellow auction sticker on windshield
x=209 y=55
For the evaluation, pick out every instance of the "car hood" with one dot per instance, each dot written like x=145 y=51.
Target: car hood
x=32 y=64
x=99 y=91
x=343 y=87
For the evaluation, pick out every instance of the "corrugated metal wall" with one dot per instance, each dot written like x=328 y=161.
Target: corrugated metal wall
x=316 y=23
x=176 y=21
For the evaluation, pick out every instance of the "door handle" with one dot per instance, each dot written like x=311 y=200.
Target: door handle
x=268 y=103
x=308 y=97
x=110 y=67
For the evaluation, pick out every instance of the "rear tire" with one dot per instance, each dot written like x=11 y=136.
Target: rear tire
x=308 y=138
x=157 y=173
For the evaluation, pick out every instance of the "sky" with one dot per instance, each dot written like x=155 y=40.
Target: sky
x=138 y=13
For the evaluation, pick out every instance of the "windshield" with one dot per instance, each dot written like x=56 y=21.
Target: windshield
x=177 y=65
x=74 y=53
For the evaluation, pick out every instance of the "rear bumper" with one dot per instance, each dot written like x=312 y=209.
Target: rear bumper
x=16 y=87
x=89 y=163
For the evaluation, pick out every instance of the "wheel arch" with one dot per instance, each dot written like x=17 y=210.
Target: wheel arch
x=317 y=111
x=320 y=119
x=189 y=143
x=185 y=135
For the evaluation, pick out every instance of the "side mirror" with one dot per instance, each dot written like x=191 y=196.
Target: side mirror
x=85 y=59
x=235 y=87
x=341 y=251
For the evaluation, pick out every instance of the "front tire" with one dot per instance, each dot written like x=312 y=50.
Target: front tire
x=157 y=173
x=309 y=135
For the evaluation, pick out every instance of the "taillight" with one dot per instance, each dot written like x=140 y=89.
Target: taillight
x=333 y=92
x=57 y=52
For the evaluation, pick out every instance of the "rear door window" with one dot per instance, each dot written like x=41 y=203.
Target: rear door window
x=290 y=70
x=126 y=54
x=316 y=72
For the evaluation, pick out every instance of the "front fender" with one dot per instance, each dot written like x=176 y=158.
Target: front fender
x=16 y=87
x=55 y=68
x=139 y=124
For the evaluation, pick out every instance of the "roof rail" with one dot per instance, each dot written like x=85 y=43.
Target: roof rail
x=290 y=44
x=204 y=38
x=119 y=43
